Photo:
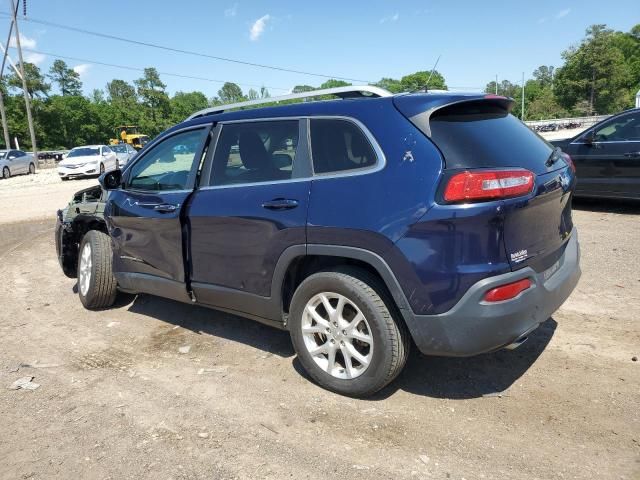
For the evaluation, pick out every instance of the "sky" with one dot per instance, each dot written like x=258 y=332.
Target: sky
x=363 y=41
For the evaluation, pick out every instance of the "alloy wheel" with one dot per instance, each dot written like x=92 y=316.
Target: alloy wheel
x=337 y=335
x=84 y=278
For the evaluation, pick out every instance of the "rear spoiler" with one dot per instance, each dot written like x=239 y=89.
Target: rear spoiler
x=419 y=108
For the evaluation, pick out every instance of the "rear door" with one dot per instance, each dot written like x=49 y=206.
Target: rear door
x=144 y=216
x=18 y=161
x=251 y=207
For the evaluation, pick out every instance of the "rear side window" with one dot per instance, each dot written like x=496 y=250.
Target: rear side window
x=254 y=152
x=481 y=134
x=339 y=145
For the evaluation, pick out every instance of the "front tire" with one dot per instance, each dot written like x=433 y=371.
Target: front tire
x=344 y=333
x=97 y=287
x=32 y=169
x=6 y=173
x=101 y=168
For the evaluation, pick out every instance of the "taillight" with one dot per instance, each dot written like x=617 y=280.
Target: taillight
x=475 y=185
x=508 y=291
x=569 y=160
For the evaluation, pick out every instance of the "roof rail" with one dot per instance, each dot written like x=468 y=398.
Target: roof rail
x=342 y=92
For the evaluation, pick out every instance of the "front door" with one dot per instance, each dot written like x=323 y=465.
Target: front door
x=144 y=215
x=251 y=208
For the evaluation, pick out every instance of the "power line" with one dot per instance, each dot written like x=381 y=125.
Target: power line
x=138 y=69
x=186 y=52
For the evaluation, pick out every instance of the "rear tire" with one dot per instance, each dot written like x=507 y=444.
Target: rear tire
x=6 y=173
x=101 y=168
x=32 y=169
x=97 y=287
x=375 y=345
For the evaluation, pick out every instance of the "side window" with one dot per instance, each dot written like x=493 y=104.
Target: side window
x=624 y=128
x=167 y=165
x=339 y=145
x=106 y=150
x=250 y=152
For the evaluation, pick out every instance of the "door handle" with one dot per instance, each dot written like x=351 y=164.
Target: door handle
x=280 y=204
x=165 y=208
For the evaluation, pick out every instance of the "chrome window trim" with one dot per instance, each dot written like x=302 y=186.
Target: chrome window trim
x=605 y=141
x=381 y=159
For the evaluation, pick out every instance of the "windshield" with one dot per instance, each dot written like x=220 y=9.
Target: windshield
x=119 y=148
x=84 y=152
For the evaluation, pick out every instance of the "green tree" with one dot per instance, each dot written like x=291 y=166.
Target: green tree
x=420 y=81
x=334 y=83
x=230 y=93
x=152 y=93
x=594 y=71
x=252 y=94
x=36 y=82
x=544 y=75
x=66 y=78
x=121 y=91
x=184 y=104
x=391 y=84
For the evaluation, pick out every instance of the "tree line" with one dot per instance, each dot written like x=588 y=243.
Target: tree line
x=599 y=75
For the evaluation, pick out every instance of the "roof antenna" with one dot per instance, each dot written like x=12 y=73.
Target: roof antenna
x=426 y=87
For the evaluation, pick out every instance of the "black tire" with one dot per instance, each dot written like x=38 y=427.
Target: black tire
x=101 y=168
x=101 y=290
x=117 y=164
x=32 y=169
x=391 y=340
x=6 y=173
x=64 y=179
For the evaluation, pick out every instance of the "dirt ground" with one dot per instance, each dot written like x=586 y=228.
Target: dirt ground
x=118 y=398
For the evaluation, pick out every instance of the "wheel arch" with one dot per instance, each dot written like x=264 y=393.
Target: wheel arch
x=296 y=263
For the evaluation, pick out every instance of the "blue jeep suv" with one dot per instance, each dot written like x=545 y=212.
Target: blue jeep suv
x=361 y=225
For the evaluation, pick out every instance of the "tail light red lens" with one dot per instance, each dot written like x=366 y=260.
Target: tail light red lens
x=569 y=160
x=470 y=186
x=508 y=291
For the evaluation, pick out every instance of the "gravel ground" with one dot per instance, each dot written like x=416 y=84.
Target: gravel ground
x=118 y=399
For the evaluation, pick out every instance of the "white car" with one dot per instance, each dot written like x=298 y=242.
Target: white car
x=86 y=161
x=124 y=152
x=13 y=162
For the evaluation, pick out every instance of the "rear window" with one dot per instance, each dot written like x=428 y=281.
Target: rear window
x=481 y=134
x=339 y=145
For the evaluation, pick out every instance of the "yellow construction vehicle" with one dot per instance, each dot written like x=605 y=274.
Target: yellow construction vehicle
x=130 y=134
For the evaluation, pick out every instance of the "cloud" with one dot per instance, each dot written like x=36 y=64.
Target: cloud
x=392 y=18
x=231 y=11
x=25 y=42
x=257 y=29
x=35 y=58
x=81 y=69
x=562 y=13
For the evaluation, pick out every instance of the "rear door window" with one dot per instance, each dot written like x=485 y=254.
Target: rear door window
x=255 y=152
x=338 y=146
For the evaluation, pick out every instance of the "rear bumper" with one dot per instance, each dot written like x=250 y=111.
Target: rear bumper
x=474 y=326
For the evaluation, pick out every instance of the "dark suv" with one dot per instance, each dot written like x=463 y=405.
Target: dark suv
x=359 y=225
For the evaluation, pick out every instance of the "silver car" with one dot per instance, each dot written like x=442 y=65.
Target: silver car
x=124 y=152
x=14 y=162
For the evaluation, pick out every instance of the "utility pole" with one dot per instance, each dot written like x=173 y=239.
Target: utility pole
x=27 y=100
x=3 y=113
x=496 y=83
x=522 y=112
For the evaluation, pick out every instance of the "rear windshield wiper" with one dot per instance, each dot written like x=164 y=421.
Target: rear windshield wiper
x=555 y=155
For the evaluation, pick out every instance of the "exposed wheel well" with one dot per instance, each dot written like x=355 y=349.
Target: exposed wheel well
x=302 y=267
x=71 y=240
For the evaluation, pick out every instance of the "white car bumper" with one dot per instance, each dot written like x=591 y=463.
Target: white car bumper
x=71 y=171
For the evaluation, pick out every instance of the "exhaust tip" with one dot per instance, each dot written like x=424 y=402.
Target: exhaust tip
x=516 y=344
